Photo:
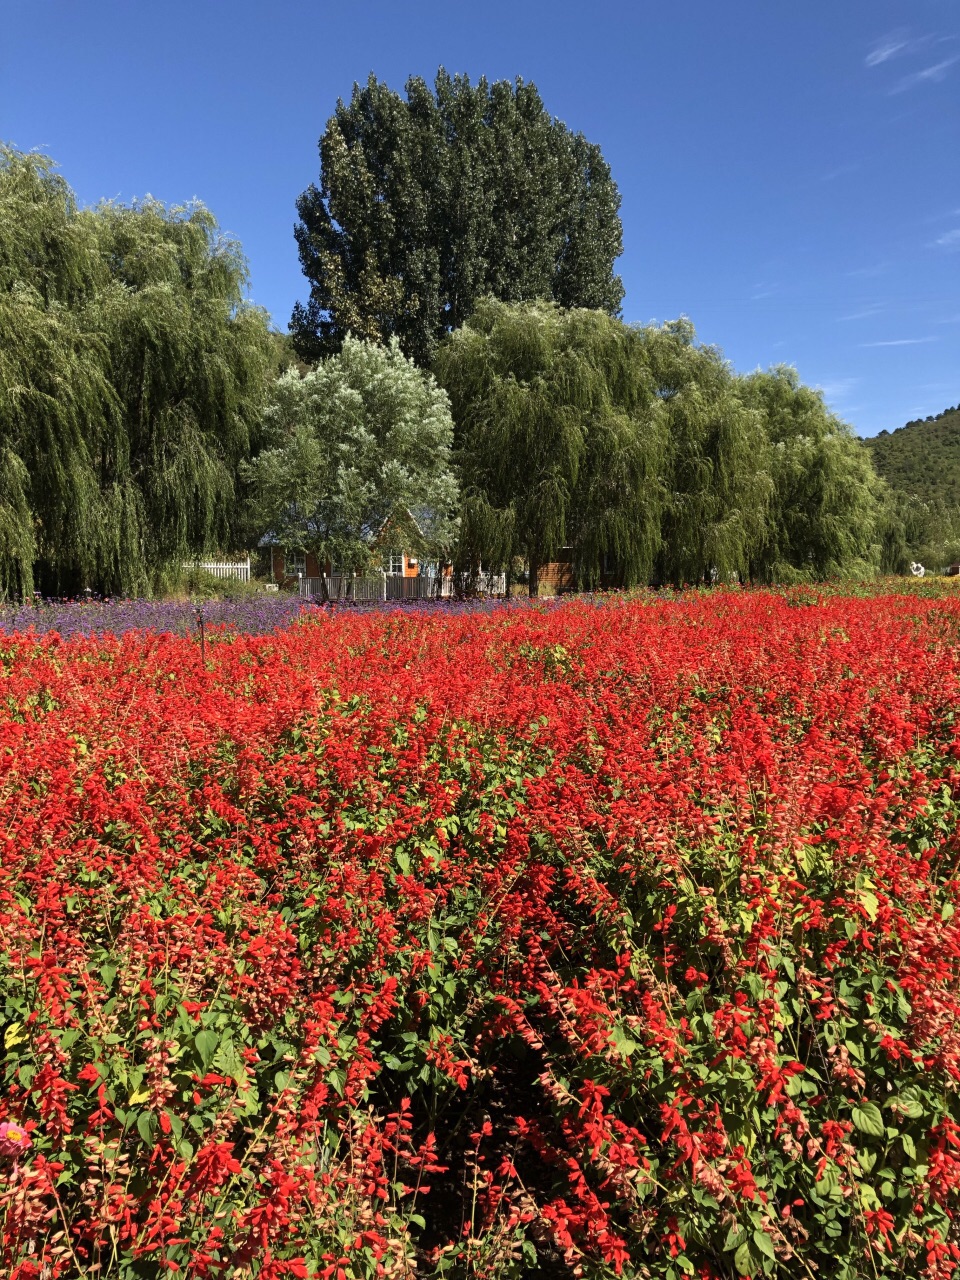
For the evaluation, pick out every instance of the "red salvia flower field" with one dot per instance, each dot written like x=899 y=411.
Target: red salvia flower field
x=607 y=938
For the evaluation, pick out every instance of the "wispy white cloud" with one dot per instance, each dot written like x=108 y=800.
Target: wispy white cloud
x=839 y=171
x=862 y=315
x=877 y=269
x=928 y=75
x=899 y=342
x=839 y=389
x=949 y=240
x=888 y=47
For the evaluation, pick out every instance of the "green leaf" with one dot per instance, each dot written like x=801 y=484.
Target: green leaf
x=147 y=1126
x=735 y=1236
x=870 y=903
x=228 y=1062
x=741 y=1259
x=906 y=1106
x=868 y=1119
x=764 y=1243
x=206 y=1042
x=623 y=1044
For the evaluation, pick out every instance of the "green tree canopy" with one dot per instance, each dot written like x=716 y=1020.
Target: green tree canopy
x=359 y=444
x=428 y=203
x=644 y=453
x=560 y=438
x=132 y=376
x=715 y=474
x=826 y=499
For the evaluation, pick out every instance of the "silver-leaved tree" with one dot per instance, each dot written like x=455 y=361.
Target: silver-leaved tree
x=358 y=455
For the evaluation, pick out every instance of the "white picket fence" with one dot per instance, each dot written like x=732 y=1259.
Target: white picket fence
x=239 y=569
x=490 y=584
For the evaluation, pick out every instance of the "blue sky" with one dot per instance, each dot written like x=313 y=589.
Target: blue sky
x=789 y=173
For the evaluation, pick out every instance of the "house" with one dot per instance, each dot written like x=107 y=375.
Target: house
x=290 y=567
x=399 y=575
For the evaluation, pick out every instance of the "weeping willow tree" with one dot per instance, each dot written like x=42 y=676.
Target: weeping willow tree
x=716 y=477
x=559 y=439
x=55 y=393
x=132 y=375
x=826 y=514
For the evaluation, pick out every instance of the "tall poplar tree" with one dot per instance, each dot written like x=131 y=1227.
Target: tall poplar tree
x=428 y=203
x=132 y=376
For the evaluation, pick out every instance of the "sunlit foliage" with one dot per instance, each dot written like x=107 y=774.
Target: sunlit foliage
x=132 y=374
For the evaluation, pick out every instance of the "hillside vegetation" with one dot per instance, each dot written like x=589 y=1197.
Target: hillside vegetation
x=923 y=458
x=921 y=464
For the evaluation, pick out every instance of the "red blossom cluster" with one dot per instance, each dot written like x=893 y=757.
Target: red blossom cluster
x=614 y=938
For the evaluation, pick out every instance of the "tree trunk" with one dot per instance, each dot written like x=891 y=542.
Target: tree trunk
x=533 y=587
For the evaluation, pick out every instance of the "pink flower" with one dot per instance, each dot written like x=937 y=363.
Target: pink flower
x=14 y=1139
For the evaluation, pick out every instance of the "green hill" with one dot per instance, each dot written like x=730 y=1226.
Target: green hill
x=922 y=459
x=921 y=464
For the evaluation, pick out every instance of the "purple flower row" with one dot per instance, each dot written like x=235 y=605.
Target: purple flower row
x=257 y=616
